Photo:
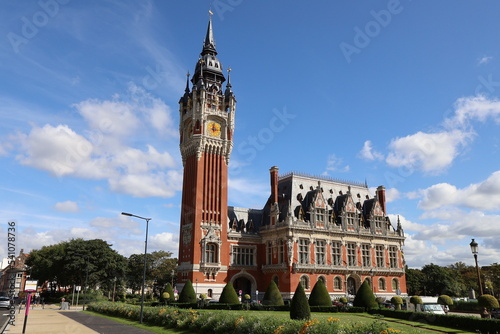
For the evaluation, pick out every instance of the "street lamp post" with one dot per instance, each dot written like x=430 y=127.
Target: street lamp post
x=145 y=256
x=473 y=248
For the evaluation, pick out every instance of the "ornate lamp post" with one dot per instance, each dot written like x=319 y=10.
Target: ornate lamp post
x=473 y=248
x=145 y=255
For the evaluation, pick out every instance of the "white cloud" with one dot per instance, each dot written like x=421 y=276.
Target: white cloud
x=480 y=196
x=165 y=241
x=429 y=152
x=67 y=206
x=334 y=163
x=476 y=108
x=368 y=153
x=484 y=60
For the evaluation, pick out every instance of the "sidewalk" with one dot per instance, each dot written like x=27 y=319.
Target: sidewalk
x=51 y=320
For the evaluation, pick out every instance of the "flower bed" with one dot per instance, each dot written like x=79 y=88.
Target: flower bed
x=233 y=322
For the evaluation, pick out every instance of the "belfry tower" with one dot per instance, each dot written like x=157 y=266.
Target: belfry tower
x=206 y=130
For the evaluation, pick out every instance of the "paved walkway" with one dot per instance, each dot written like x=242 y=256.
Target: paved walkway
x=51 y=320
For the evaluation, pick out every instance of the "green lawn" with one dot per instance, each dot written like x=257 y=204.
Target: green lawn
x=348 y=318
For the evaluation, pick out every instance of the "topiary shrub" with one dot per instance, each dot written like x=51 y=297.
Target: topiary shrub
x=397 y=301
x=299 y=308
x=319 y=295
x=170 y=291
x=273 y=295
x=487 y=302
x=365 y=297
x=415 y=300
x=188 y=295
x=343 y=300
x=228 y=295
x=445 y=300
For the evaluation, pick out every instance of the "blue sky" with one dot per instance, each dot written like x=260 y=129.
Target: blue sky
x=403 y=94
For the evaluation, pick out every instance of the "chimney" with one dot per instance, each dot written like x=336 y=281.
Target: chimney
x=274 y=184
x=381 y=198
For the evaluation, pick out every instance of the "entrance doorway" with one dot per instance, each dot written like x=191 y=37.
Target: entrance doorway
x=351 y=286
x=244 y=285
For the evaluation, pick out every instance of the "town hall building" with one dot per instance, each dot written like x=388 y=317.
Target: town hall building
x=310 y=229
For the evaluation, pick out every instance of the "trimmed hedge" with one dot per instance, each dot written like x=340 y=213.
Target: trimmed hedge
x=468 y=323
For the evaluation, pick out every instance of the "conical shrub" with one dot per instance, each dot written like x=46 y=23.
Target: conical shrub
x=319 y=295
x=228 y=295
x=365 y=297
x=170 y=291
x=299 y=309
x=273 y=295
x=188 y=295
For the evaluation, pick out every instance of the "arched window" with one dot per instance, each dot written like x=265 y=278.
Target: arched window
x=322 y=279
x=209 y=293
x=211 y=253
x=395 y=284
x=276 y=280
x=304 y=280
x=381 y=284
x=337 y=283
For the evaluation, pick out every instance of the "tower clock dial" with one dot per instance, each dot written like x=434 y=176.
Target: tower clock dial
x=213 y=129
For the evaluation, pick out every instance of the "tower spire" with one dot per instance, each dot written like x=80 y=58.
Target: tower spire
x=209 y=43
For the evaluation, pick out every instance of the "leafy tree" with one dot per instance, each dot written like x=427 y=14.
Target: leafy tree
x=319 y=295
x=228 y=295
x=414 y=281
x=299 y=308
x=398 y=301
x=159 y=266
x=365 y=297
x=273 y=295
x=487 y=301
x=440 y=280
x=187 y=295
x=415 y=300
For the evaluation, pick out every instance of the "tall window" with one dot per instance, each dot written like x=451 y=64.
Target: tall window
x=351 y=254
x=243 y=256
x=211 y=253
x=365 y=253
x=269 y=252
x=320 y=216
x=393 y=256
x=350 y=219
x=304 y=280
x=381 y=284
x=379 y=254
x=303 y=251
x=281 y=258
x=337 y=283
x=320 y=252
x=336 y=253
x=395 y=284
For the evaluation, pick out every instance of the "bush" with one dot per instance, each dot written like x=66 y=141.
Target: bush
x=415 y=300
x=170 y=291
x=188 y=295
x=487 y=301
x=272 y=295
x=343 y=300
x=365 y=297
x=228 y=295
x=299 y=309
x=445 y=300
x=319 y=295
x=396 y=300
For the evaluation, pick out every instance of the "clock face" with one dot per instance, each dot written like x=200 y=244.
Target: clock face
x=213 y=129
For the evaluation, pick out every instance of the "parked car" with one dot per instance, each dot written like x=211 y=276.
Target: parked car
x=4 y=302
x=495 y=313
x=433 y=308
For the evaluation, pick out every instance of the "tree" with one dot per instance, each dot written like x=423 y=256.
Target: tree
x=365 y=297
x=440 y=280
x=487 y=301
x=445 y=300
x=299 y=309
x=415 y=300
x=188 y=295
x=273 y=295
x=414 y=281
x=397 y=301
x=319 y=295
x=228 y=295
x=159 y=266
